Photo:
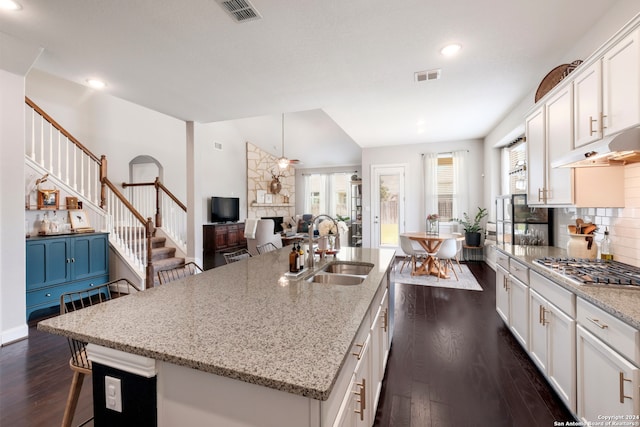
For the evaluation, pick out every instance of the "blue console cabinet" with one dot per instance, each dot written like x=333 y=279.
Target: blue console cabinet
x=59 y=264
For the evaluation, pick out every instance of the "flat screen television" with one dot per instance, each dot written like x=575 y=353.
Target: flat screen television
x=225 y=209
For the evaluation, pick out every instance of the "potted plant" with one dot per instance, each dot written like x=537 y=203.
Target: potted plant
x=472 y=228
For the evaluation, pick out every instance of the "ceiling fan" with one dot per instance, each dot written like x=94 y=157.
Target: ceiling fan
x=284 y=162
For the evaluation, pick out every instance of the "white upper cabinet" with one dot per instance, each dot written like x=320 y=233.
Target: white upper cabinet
x=621 y=84
x=536 y=157
x=607 y=93
x=587 y=102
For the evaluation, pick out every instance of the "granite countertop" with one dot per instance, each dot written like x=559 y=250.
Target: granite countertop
x=620 y=301
x=245 y=320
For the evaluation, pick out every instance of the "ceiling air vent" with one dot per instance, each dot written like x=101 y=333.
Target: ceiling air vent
x=240 y=10
x=424 y=76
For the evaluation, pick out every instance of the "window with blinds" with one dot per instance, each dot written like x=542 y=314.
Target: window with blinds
x=445 y=187
x=518 y=167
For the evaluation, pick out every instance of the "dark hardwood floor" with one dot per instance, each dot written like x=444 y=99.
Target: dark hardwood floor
x=452 y=363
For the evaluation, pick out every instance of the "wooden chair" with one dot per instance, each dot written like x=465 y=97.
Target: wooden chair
x=238 y=255
x=79 y=363
x=189 y=269
x=266 y=247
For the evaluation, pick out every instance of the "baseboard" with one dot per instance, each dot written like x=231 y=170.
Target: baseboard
x=14 y=334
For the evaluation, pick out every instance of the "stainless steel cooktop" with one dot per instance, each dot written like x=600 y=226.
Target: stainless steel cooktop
x=589 y=271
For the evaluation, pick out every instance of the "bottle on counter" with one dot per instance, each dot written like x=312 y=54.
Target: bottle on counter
x=300 y=258
x=606 y=253
x=293 y=260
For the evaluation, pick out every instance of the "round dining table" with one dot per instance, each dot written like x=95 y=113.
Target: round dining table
x=430 y=243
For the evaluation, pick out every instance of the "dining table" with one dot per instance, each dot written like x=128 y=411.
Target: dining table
x=430 y=243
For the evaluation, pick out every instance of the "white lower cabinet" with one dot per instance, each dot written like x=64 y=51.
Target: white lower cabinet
x=512 y=301
x=608 y=377
x=356 y=407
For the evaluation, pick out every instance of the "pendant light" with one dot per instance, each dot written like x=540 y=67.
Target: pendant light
x=283 y=162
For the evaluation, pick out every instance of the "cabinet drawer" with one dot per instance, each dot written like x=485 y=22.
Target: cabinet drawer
x=502 y=260
x=609 y=329
x=558 y=296
x=519 y=270
x=48 y=297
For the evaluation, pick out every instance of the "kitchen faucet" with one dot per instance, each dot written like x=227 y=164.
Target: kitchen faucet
x=311 y=257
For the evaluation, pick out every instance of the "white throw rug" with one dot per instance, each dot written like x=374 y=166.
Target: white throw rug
x=467 y=280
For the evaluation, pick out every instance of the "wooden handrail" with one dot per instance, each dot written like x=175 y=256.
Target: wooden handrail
x=123 y=199
x=61 y=129
x=170 y=194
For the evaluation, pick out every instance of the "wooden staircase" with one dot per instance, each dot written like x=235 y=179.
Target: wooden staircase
x=163 y=257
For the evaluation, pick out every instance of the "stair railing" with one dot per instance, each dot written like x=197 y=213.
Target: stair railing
x=130 y=230
x=154 y=199
x=53 y=148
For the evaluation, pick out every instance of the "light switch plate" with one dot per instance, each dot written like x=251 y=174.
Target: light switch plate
x=113 y=393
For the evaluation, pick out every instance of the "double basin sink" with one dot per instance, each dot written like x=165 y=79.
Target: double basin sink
x=342 y=273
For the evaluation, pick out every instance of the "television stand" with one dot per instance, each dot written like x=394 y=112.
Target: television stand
x=218 y=239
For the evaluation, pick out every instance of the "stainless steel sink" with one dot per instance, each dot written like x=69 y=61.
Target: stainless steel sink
x=360 y=269
x=336 y=279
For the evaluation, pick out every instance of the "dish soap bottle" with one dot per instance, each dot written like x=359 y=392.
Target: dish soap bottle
x=293 y=260
x=605 y=247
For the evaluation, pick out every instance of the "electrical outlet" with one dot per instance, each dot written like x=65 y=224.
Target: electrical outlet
x=113 y=393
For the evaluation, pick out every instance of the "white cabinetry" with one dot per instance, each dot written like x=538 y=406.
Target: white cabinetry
x=607 y=380
x=552 y=339
x=512 y=299
x=607 y=92
x=549 y=132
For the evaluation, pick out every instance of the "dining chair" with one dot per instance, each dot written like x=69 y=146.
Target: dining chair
x=446 y=252
x=412 y=251
x=266 y=247
x=169 y=275
x=234 y=256
x=458 y=249
x=79 y=363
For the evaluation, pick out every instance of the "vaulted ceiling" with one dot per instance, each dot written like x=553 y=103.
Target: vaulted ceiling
x=349 y=65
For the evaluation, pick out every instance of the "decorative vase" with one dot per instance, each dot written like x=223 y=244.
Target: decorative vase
x=323 y=243
x=472 y=239
x=433 y=227
x=582 y=246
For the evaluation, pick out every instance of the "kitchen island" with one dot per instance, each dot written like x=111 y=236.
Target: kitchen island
x=244 y=344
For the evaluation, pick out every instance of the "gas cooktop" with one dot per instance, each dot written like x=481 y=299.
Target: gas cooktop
x=593 y=272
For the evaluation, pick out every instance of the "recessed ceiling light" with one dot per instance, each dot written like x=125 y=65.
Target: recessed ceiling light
x=451 y=49
x=10 y=5
x=96 y=84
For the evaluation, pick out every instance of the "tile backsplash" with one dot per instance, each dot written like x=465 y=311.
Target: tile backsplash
x=623 y=223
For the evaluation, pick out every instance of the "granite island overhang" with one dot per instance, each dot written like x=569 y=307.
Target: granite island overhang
x=245 y=321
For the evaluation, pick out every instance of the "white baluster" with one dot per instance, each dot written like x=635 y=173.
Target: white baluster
x=66 y=161
x=41 y=141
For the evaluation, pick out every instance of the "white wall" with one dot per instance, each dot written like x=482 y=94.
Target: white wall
x=411 y=155
x=12 y=231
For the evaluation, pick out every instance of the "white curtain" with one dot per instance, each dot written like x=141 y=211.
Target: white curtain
x=306 y=193
x=460 y=183
x=430 y=167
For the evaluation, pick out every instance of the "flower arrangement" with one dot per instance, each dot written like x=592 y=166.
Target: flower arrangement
x=432 y=217
x=327 y=227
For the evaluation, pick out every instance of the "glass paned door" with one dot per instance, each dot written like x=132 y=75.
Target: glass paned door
x=388 y=197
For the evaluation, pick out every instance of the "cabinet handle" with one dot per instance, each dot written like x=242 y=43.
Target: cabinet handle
x=47 y=295
x=362 y=394
x=68 y=260
x=597 y=323
x=73 y=260
x=540 y=194
x=591 y=122
x=385 y=320
x=540 y=315
x=602 y=126
x=358 y=355
x=543 y=317
x=622 y=380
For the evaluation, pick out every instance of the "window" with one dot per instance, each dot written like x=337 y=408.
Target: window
x=327 y=194
x=445 y=187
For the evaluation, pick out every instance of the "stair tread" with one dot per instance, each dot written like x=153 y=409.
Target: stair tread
x=165 y=263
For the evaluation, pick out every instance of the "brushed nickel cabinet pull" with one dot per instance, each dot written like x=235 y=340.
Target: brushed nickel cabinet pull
x=540 y=194
x=622 y=380
x=385 y=319
x=540 y=315
x=597 y=323
x=602 y=126
x=362 y=394
x=358 y=355
x=591 y=122
x=543 y=318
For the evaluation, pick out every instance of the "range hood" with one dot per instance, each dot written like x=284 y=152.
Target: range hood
x=620 y=149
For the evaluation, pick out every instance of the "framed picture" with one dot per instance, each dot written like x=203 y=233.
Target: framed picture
x=268 y=198
x=78 y=219
x=72 y=203
x=260 y=196
x=49 y=199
